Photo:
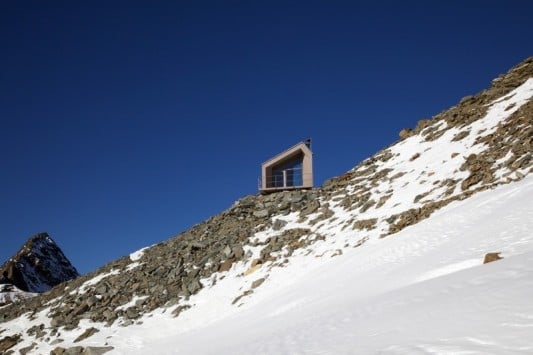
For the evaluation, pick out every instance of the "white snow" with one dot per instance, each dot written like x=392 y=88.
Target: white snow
x=135 y=256
x=133 y=265
x=421 y=291
x=87 y=284
x=131 y=303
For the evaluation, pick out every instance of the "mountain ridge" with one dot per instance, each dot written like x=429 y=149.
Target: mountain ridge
x=477 y=145
x=38 y=265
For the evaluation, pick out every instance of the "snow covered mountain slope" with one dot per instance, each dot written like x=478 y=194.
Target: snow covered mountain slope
x=425 y=291
x=38 y=265
x=386 y=258
x=10 y=293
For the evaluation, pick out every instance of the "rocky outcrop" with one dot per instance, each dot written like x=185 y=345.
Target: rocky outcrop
x=472 y=107
x=80 y=350
x=8 y=342
x=172 y=271
x=38 y=265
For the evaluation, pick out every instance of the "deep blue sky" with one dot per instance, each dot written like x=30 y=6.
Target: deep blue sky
x=124 y=123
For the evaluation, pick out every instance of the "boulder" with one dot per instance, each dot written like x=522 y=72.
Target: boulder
x=238 y=251
x=226 y=265
x=258 y=282
x=194 y=286
x=58 y=351
x=278 y=224
x=9 y=342
x=406 y=133
x=490 y=257
x=176 y=312
x=261 y=213
x=74 y=350
x=96 y=350
x=87 y=333
x=27 y=349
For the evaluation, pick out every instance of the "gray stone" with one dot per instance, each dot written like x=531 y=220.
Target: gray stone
x=238 y=252
x=97 y=350
x=176 y=312
x=9 y=342
x=194 y=286
x=466 y=99
x=405 y=133
x=296 y=197
x=226 y=265
x=101 y=289
x=74 y=350
x=86 y=334
x=141 y=302
x=132 y=313
x=91 y=301
x=247 y=202
x=311 y=207
x=58 y=351
x=244 y=294
x=108 y=315
x=27 y=349
x=261 y=213
x=278 y=224
x=196 y=245
x=57 y=321
x=227 y=251
x=37 y=331
x=258 y=282
x=81 y=309
x=127 y=323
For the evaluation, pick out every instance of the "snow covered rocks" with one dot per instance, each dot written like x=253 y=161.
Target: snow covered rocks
x=455 y=187
x=8 y=342
x=11 y=293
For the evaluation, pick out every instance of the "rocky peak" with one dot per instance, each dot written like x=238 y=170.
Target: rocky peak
x=38 y=266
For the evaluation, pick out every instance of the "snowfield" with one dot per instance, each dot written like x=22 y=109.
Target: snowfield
x=421 y=291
